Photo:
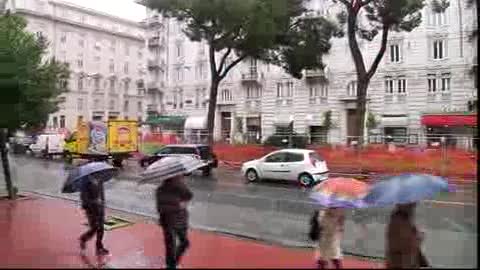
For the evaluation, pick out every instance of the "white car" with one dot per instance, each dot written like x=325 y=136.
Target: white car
x=302 y=165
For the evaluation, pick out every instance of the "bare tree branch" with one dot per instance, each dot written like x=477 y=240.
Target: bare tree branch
x=381 y=52
x=234 y=63
x=222 y=61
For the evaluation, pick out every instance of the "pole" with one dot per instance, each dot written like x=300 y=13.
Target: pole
x=6 y=166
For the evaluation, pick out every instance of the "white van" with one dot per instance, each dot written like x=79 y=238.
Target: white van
x=48 y=144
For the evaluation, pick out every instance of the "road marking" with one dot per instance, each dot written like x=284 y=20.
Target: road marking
x=451 y=203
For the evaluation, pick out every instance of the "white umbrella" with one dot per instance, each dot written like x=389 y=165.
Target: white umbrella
x=169 y=167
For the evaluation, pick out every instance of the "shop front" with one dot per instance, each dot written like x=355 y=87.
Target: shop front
x=457 y=130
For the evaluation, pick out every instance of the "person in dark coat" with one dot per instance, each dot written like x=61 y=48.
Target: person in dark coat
x=92 y=196
x=172 y=197
x=404 y=240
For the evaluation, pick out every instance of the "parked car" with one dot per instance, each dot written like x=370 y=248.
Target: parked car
x=200 y=151
x=302 y=165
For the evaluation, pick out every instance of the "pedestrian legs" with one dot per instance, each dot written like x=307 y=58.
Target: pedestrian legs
x=184 y=243
x=170 y=246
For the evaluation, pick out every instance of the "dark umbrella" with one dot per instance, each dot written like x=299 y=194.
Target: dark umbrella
x=405 y=188
x=77 y=176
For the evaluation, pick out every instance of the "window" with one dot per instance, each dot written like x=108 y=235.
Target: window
x=402 y=86
x=204 y=95
x=253 y=92
x=438 y=18
x=126 y=86
x=294 y=157
x=127 y=50
x=80 y=60
x=179 y=74
x=80 y=104
x=111 y=66
x=445 y=86
x=125 y=106
x=80 y=83
x=96 y=104
x=139 y=106
x=279 y=90
x=352 y=89
x=180 y=99
x=276 y=158
x=62 y=121
x=439 y=49
x=395 y=53
x=97 y=46
x=112 y=84
x=197 y=97
x=201 y=48
x=226 y=95
x=63 y=37
x=432 y=84
x=96 y=83
x=179 y=50
x=81 y=41
x=140 y=54
x=125 y=68
x=55 y=122
x=111 y=105
x=389 y=85
x=398 y=134
x=112 y=45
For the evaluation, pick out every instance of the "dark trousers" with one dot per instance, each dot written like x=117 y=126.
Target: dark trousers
x=173 y=253
x=96 y=219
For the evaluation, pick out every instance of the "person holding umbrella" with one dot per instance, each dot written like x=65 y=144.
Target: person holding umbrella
x=172 y=197
x=403 y=246
x=335 y=194
x=89 y=179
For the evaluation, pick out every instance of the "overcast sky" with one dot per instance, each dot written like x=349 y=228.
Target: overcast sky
x=127 y=9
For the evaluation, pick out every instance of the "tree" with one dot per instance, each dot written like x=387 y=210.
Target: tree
x=365 y=19
x=30 y=84
x=273 y=31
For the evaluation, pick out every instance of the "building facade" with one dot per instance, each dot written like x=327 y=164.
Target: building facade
x=106 y=56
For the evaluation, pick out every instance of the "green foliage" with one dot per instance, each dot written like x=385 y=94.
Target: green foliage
x=298 y=141
x=371 y=121
x=37 y=81
x=327 y=120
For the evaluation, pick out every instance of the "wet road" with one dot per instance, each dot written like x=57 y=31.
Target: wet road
x=276 y=212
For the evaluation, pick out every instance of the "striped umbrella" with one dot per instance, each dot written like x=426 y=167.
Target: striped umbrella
x=169 y=167
x=340 y=192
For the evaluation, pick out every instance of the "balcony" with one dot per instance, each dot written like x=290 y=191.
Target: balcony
x=251 y=75
x=154 y=21
x=316 y=74
x=155 y=64
x=156 y=42
x=253 y=106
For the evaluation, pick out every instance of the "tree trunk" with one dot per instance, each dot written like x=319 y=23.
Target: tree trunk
x=361 y=110
x=6 y=166
x=212 y=105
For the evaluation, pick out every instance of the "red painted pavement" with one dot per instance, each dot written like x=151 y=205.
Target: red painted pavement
x=43 y=233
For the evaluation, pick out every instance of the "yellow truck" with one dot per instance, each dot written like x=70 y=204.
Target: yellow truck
x=96 y=140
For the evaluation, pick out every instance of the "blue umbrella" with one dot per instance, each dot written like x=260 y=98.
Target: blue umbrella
x=405 y=188
x=79 y=175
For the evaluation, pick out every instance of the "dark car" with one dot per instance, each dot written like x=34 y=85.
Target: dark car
x=201 y=151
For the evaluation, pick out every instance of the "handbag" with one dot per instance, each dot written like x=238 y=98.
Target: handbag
x=315 y=228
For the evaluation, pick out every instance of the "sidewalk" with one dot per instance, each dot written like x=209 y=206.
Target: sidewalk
x=38 y=232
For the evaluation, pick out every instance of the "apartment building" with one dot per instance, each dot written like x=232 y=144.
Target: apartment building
x=423 y=87
x=106 y=55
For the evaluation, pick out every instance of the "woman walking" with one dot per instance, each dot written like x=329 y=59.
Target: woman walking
x=332 y=222
x=404 y=240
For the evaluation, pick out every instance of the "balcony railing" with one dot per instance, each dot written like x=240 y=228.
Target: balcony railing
x=312 y=74
x=155 y=63
x=253 y=106
x=155 y=41
x=154 y=21
x=251 y=75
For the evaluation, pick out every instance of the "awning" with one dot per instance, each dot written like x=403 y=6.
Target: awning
x=440 y=120
x=196 y=122
x=391 y=121
x=166 y=121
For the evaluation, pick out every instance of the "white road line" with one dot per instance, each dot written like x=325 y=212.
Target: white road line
x=451 y=203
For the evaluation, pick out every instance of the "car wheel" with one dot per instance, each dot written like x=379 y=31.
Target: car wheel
x=206 y=171
x=251 y=176
x=306 y=180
